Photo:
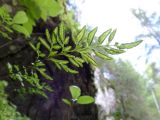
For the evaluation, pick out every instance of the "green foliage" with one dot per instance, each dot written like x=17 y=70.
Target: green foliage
x=20 y=17
x=129 y=45
x=23 y=21
x=8 y=24
x=75 y=91
x=8 y=110
x=77 y=98
x=66 y=101
x=5 y=22
x=57 y=44
x=29 y=80
x=37 y=9
x=85 y=99
x=104 y=35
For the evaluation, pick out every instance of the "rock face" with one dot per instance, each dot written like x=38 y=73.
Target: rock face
x=39 y=108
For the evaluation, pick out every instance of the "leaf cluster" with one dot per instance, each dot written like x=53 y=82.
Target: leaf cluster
x=24 y=20
x=77 y=98
x=63 y=51
x=10 y=24
x=39 y=9
x=29 y=79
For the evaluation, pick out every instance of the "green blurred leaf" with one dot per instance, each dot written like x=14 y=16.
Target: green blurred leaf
x=9 y=66
x=73 y=62
x=20 y=18
x=72 y=71
x=103 y=56
x=85 y=100
x=111 y=36
x=67 y=69
x=58 y=61
x=33 y=47
x=53 y=7
x=52 y=53
x=8 y=29
x=67 y=48
x=21 y=29
x=54 y=37
x=44 y=74
x=89 y=59
x=91 y=35
x=38 y=45
x=56 y=47
x=48 y=36
x=81 y=34
x=79 y=59
x=61 y=31
x=66 y=101
x=75 y=91
x=66 y=41
x=103 y=36
x=129 y=45
x=114 y=51
x=44 y=43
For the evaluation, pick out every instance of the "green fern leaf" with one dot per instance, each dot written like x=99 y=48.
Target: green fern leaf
x=129 y=45
x=44 y=74
x=59 y=61
x=44 y=43
x=103 y=36
x=52 y=53
x=67 y=69
x=56 y=47
x=66 y=41
x=114 y=51
x=73 y=62
x=61 y=31
x=91 y=35
x=54 y=41
x=81 y=34
x=67 y=48
x=111 y=36
x=89 y=59
x=38 y=45
x=48 y=36
x=79 y=59
x=58 y=66
x=103 y=56
x=59 y=40
x=33 y=47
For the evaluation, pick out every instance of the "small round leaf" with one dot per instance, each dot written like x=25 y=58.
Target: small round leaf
x=85 y=100
x=20 y=18
x=75 y=91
